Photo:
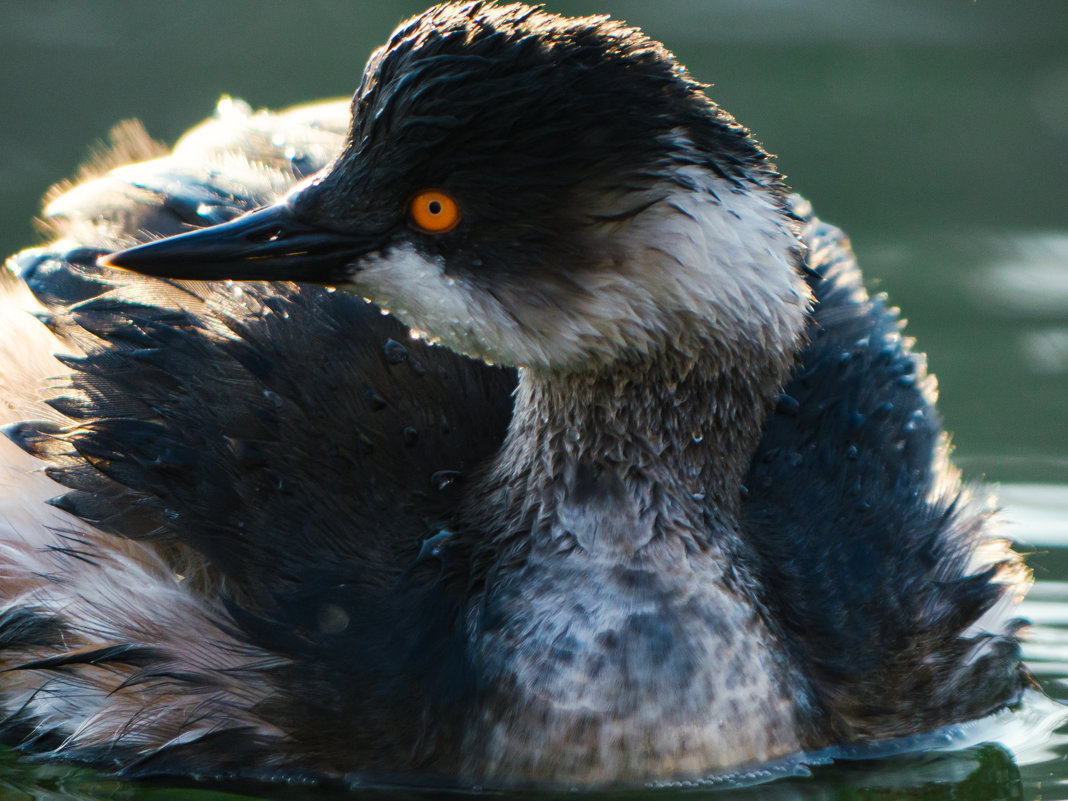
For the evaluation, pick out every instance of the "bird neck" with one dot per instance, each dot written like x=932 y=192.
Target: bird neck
x=610 y=575
x=664 y=439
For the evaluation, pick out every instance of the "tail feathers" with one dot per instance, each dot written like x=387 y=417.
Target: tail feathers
x=108 y=658
x=107 y=655
x=26 y=352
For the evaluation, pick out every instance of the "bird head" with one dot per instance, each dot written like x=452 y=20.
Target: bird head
x=530 y=190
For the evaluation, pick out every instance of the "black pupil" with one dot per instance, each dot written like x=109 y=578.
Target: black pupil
x=434 y=207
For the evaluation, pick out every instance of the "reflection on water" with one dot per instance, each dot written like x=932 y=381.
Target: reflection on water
x=1030 y=286
x=1030 y=280
x=1037 y=518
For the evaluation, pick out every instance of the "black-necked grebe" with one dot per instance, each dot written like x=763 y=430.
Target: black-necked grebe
x=701 y=517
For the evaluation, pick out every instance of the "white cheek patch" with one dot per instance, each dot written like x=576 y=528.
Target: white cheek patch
x=705 y=256
x=416 y=290
x=466 y=318
x=723 y=256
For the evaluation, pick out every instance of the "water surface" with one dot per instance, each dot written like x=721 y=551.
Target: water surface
x=934 y=133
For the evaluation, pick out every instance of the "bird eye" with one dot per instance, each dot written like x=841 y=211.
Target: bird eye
x=433 y=211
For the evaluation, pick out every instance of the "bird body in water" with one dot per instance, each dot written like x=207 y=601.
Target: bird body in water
x=624 y=477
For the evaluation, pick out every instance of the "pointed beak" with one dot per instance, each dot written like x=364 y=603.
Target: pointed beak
x=270 y=244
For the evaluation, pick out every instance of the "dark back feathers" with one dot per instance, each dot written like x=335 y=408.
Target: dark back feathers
x=865 y=534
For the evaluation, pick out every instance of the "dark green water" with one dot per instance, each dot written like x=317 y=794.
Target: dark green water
x=935 y=132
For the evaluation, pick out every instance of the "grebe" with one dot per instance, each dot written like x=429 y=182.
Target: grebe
x=700 y=516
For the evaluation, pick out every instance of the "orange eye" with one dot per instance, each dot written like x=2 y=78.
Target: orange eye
x=433 y=211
